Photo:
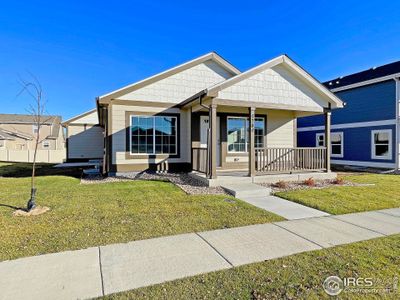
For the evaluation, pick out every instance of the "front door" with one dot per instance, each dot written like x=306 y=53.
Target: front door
x=203 y=136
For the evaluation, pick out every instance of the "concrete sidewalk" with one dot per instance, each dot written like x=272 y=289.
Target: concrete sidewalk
x=114 y=268
x=288 y=209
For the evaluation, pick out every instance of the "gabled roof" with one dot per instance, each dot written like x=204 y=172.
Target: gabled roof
x=366 y=75
x=140 y=84
x=65 y=123
x=27 y=119
x=284 y=60
x=54 y=121
x=10 y=135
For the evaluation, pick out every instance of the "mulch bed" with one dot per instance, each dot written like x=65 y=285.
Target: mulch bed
x=185 y=182
x=319 y=184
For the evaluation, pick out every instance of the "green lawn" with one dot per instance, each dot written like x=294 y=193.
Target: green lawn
x=347 y=199
x=88 y=215
x=298 y=276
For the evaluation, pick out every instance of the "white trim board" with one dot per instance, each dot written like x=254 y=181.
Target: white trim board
x=363 y=163
x=350 y=125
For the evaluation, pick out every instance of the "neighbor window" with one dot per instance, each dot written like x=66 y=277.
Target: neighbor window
x=2 y=143
x=45 y=144
x=153 y=135
x=35 y=129
x=337 y=144
x=320 y=140
x=238 y=140
x=381 y=143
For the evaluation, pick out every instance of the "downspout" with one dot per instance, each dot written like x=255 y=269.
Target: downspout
x=397 y=134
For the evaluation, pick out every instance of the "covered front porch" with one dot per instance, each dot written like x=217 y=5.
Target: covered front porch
x=245 y=127
x=243 y=142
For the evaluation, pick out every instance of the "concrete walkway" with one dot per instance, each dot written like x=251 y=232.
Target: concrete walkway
x=114 y=268
x=260 y=196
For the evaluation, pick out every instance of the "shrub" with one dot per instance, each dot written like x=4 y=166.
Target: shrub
x=281 y=184
x=338 y=180
x=309 y=182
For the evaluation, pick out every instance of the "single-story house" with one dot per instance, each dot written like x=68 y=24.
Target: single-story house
x=17 y=138
x=366 y=132
x=84 y=137
x=207 y=116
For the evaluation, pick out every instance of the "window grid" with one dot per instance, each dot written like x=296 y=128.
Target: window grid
x=238 y=134
x=153 y=135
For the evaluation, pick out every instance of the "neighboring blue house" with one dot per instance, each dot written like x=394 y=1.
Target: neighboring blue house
x=366 y=131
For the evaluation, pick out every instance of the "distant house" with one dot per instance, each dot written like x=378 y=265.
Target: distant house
x=17 y=138
x=366 y=132
x=85 y=139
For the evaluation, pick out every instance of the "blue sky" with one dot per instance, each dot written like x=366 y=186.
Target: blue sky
x=83 y=49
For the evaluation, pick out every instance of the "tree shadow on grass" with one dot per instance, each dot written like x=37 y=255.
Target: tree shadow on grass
x=21 y=170
x=12 y=207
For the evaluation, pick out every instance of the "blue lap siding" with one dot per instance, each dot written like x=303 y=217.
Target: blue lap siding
x=370 y=103
x=367 y=103
x=356 y=143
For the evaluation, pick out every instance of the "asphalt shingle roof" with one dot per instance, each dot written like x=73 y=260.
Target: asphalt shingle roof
x=373 y=73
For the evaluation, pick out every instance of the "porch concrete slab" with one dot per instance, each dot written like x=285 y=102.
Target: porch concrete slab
x=287 y=209
x=142 y=263
x=244 y=245
x=391 y=211
x=328 y=231
x=65 y=275
x=376 y=221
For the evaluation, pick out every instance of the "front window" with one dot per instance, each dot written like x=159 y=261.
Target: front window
x=337 y=144
x=238 y=139
x=153 y=135
x=381 y=144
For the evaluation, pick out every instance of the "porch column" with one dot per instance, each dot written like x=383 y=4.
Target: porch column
x=328 y=140
x=213 y=141
x=252 y=153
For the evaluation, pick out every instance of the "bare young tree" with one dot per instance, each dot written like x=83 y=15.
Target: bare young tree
x=36 y=109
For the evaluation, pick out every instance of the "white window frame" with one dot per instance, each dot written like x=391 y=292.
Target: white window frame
x=341 y=144
x=154 y=136
x=373 y=154
x=316 y=139
x=35 y=128
x=45 y=142
x=245 y=132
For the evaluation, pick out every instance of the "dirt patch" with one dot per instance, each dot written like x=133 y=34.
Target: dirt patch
x=185 y=182
x=38 y=210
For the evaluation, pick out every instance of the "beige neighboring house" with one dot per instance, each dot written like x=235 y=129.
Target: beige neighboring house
x=85 y=139
x=17 y=138
x=208 y=117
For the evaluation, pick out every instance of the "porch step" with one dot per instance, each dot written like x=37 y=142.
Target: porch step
x=239 y=190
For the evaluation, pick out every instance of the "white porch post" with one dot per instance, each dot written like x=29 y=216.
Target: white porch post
x=213 y=141
x=252 y=154
x=328 y=140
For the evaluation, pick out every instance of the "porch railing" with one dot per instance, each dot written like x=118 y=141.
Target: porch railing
x=280 y=160
x=199 y=160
